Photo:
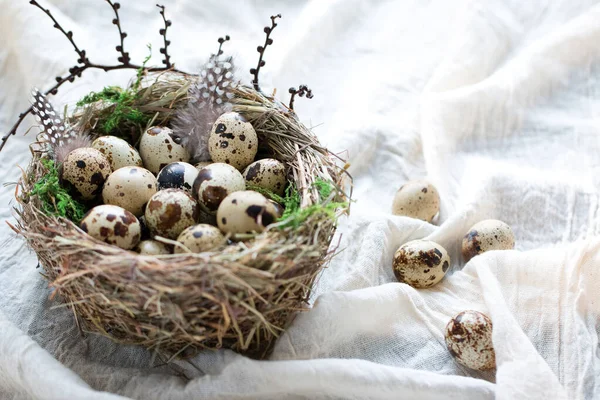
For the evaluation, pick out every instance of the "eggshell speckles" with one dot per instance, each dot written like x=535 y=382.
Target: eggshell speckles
x=177 y=175
x=200 y=238
x=118 y=152
x=158 y=149
x=268 y=174
x=113 y=225
x=130 y=188
x=233 y=141
x=487 y=235
x=152 y=248
x=245 y=212
x=421 y=263
x=169 y=212
x=215 y=182
x=469 y=340
x=86 y=169
x=417 y=199
x=203 y=164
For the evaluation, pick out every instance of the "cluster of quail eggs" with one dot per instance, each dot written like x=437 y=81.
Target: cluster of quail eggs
x=423 y=263
x=157 y=192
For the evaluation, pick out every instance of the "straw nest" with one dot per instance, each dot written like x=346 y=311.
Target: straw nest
x=241 y=298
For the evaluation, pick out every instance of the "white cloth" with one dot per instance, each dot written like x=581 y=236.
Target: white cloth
x=496 y=101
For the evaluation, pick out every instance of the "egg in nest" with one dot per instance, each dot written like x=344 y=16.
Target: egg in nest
x=113 y=225
x=169 y=212
x=233 y=140
x=215 y=182
x=86 y=169
x=177 y=175
x=245 y=212
x=268 y=174
x=200 y=238
x=158 y=149
x=118 y=152
x=130 y=188
x=152 y=248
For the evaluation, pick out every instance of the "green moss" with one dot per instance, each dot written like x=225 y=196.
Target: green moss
x=55 y=199
x=124 y=101
x=294 y=216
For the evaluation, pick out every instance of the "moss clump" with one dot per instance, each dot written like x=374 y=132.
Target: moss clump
x=54 y=199
x=293 y=216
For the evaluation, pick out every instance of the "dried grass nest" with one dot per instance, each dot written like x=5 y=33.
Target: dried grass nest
x=242 y=297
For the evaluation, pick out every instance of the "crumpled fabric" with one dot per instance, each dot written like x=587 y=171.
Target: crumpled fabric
x=496 y=102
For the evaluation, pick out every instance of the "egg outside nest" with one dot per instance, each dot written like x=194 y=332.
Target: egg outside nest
x=421 y=263
x=469 y=340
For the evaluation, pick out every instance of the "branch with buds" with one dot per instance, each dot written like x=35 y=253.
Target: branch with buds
x=261 y=50
x=302 y=91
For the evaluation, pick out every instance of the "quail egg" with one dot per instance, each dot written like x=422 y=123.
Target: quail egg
x=200 y=238
x=490 y=234
x=169 y=212
x=215 y=182
x=117 y=151
x=421 y=263
x=177 y=175
x=152 y=248
x=86 y=169
x=130 y=188
x=417 y=199
x=113 y=225
x=158 y=149
x=469 y=340
x=202 y=164
x=233 y=140
x=244 y=212
x=267 y=173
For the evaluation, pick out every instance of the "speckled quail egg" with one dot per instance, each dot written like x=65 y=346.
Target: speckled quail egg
x=469 y=340
x=169 y=212
x=117 y=151
x=278 y=208
x=421 y=263
x=200 y=238
x=490 y=234
x=152 y=248
x=86 y=169
x=417 y=199
x=158 y=149
x=245 y=212
x=130 y=188
x=267 y=173
x=215 y=182
x=233 y=140
x=177 y=175
x=113 y=225
x=202 y=164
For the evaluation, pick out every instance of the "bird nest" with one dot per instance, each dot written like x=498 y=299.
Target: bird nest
x=242 y=297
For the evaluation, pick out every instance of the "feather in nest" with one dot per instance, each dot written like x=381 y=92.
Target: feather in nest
x=61 y=138
x=208 y=98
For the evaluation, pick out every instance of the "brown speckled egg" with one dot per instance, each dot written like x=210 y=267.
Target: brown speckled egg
x=202 y=164
x=200 y=238
x=158 y=149
x=169 y=212
x=118 y=152
x=215 y=182
x=417 y=199
x=86 y=169
x=469 y=340
x=177 y=175
x=421 y=263
x=152 y=248
x=130 y=188
x=245 y=212
x=267 y=173
x=490 y=234
x=233 y=141
x=113 y=225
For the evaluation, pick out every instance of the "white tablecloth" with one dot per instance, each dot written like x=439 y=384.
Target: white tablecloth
x=497 y=102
